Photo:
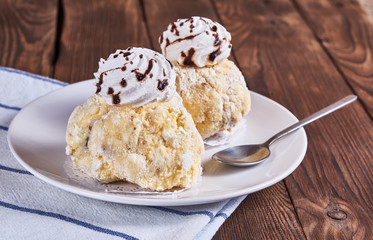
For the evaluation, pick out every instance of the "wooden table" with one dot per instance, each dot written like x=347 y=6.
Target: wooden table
x=304 y=54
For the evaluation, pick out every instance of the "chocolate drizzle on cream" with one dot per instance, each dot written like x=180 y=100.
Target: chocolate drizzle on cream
x=110 y=91
x=195 y=41
x=217 y=41
x=123 y=83
x=116 y=98
x=135 y=77
x=141 y=76
x=188 y=59
x=174 y=29
x=167 y=42
x=98 y=85
x=214 y=54
x=162 y=84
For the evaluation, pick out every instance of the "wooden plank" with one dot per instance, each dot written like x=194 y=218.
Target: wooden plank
x=368 y=7
x=268 y=214
x=345 y=30
x=332 y=188
x=116 y=25
x=251 y=219
x=27 y=35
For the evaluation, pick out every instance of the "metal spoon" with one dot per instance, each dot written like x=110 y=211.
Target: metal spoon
x=246 y=155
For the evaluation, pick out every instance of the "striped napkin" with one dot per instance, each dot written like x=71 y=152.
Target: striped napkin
x=33 y=209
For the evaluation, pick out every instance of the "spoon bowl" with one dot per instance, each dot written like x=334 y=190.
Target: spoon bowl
x=248 y=155
x=243 y=155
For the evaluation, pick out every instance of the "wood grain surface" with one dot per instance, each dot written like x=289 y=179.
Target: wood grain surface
x=345 y=31
x=304 y=54
x=367 y=5
x=325 y=189
x=267 y=214
x=28 y=35
x=256 y=221
x=92 y=30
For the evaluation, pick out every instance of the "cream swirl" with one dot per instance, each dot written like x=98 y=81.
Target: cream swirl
x=195 y=41
x=135 y=76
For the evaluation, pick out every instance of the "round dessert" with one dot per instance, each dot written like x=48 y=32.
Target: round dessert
x=213 y=89
x=135 y=127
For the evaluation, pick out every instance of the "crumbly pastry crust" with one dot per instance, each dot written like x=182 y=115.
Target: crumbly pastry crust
x=156 y=146
x=216 y=96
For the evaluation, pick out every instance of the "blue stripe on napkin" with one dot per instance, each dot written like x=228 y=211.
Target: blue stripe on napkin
x=9 y=107
x=34 y=76
x=207 y=213
x=14 y=170
x=67 y=219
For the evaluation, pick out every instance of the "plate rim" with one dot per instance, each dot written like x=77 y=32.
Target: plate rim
x=126 y=198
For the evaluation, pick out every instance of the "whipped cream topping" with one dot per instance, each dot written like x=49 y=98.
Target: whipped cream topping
x=135 y=76
x=196 y=41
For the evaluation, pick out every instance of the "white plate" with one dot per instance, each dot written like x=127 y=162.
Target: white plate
x=37 y=139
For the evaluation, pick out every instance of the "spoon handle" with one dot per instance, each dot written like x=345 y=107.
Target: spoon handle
x=325 y=111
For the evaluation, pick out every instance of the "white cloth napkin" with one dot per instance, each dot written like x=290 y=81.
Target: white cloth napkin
x=33 y=209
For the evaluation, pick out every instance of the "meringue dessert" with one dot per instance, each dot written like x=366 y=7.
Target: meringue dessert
x=212 y=87
x=135 y=128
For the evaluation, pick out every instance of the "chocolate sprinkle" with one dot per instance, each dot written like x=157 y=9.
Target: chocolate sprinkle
x=188 y=59
x=110 y=90
x=116 y=98
x=217 y=41
x=214 y=54
x=141 y=56
x=124 y=68
x=116 y=55
x=214 y=28
x=123 y=83
x=100 y=82
x=162 y=84
x=141 y=76
x=191 y=28
x=174 y=28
